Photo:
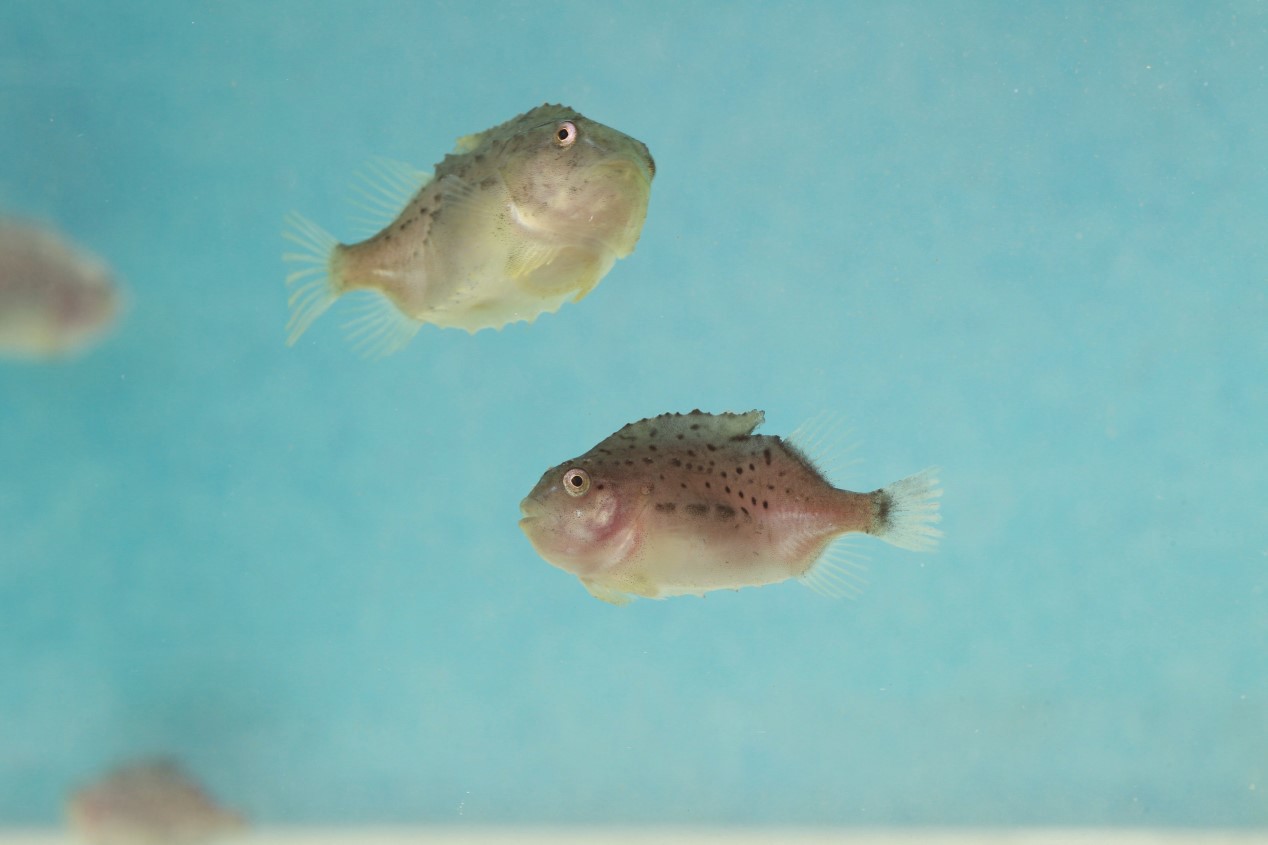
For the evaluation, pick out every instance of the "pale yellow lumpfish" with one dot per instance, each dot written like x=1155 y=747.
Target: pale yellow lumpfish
x=689 y=503
x=515 y=221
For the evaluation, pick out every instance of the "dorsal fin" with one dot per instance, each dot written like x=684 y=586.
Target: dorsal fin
x=695 y=425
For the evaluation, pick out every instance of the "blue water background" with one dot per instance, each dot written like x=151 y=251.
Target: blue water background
x=1024 y=242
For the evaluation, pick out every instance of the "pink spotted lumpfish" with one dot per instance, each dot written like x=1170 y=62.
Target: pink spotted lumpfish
x=690 y=503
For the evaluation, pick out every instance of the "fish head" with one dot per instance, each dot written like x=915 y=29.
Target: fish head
x=578 y=181
x=582 y=517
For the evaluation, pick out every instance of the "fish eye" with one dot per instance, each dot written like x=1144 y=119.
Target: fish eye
x=565 y=134
x=576 y=482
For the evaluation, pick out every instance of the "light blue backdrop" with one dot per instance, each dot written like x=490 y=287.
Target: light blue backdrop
x=1024 y=242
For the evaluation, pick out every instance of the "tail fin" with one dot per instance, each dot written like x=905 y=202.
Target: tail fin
x=906 y=512
x=313 y=288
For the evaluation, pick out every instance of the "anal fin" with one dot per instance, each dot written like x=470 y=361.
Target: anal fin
x=837 y=573
x=380 y=329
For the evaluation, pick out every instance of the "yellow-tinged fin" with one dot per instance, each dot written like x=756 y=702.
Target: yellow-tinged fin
x=384 y=187
x=467 y=143
x=907 y=512
x=379 y=329
x=607 y=594
x=313 y=288
x=838 y=572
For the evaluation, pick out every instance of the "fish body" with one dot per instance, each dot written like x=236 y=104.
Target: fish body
x=690 y=503
x=55 y=299
x=517 y=220
x=149 y=802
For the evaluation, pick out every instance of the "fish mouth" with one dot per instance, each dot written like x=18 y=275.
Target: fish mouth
x=530 y=509
x=640 y=167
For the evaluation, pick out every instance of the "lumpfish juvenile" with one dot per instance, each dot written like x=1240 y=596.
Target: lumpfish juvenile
x=515 y=221
x=688 y=503
x=150 y=802
x=55 y=299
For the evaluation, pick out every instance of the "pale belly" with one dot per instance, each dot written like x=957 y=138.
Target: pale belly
x=674 y=564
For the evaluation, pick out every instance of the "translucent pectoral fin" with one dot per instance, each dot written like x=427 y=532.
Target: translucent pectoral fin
x=460 y=198
x=528 y=257
x=605 y=593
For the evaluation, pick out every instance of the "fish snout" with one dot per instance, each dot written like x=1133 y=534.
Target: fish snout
x=530 y=509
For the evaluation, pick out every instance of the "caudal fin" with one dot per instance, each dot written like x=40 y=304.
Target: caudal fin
x=312 y=288
x=907 y=511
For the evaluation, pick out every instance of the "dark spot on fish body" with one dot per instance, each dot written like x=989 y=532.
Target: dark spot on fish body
x=751 y=469
x=753 y=501
x=649 y=460
x=652 y=447
x=739 y=470
x=765 y=505
x=676 y=462
x=883 y=505
x=711 y=447
x=746 y=513
x=629 y=463
x=725 y=512
x=666 y=507
x=652 y=433
x=697 y=509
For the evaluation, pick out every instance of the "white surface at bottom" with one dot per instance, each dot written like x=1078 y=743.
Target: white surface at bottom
x=687 y=836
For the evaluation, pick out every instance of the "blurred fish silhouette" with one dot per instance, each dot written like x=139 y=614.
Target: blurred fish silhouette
x=55 y=299
x=148 y=802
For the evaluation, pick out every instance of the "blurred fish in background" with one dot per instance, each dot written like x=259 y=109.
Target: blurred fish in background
x=56 y=299
x=148 y=802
